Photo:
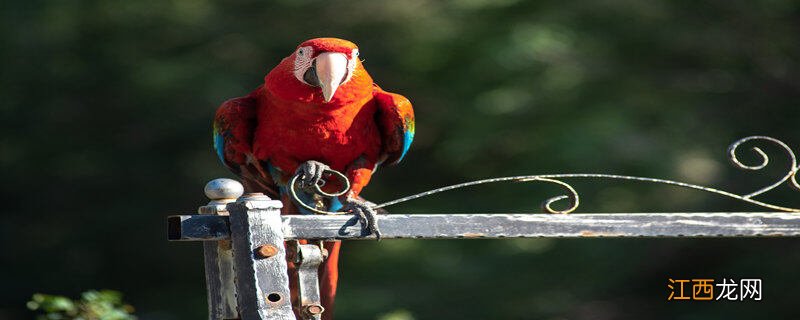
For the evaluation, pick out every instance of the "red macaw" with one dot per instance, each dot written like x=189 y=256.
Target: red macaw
x=317 y=109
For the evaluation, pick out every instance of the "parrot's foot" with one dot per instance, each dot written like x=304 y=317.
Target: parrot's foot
x=366 y=215
x=311 y=173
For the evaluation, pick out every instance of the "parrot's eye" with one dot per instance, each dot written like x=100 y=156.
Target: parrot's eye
x=304 y=52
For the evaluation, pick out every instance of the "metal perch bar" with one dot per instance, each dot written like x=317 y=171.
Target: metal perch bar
x=455 y=226
x=245 y=256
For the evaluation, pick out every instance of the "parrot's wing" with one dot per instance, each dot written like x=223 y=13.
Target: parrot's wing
x=234 y=125
x=396 y=121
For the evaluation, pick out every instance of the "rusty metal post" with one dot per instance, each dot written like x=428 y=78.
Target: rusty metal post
x=262 y=281
x=218 y=254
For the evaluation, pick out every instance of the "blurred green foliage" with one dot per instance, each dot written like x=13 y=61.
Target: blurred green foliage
x=105 y=110
x=93 y=305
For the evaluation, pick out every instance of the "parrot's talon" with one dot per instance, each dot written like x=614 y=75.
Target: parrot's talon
x=366 y=214
x=310 y=173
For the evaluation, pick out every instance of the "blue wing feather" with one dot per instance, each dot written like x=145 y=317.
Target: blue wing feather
x=219 y=146
x=396 y=120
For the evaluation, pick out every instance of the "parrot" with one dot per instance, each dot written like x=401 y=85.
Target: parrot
x=317 y=110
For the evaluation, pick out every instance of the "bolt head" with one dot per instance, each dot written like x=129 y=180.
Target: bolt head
x=223 y=188
x=267 y=251
x=315 y=309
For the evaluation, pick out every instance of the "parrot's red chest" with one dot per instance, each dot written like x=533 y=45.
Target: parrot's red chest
x=289 y=133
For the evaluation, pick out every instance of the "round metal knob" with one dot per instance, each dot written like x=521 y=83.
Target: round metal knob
x=223 y=188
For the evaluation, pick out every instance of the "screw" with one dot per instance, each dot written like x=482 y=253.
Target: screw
x=267 y=251
x=314 y=309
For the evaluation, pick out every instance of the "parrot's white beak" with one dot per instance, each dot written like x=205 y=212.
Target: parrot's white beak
x=331 y=72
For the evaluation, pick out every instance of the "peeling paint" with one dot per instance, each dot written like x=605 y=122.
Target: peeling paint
x=474 y=235
x=589 y=233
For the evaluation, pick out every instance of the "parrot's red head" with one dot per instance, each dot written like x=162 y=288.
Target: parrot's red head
x=322 y=70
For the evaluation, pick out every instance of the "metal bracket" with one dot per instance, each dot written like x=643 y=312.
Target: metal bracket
x=262 y=283
x=308 y=258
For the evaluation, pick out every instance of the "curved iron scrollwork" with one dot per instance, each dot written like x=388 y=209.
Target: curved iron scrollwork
x=571 y=195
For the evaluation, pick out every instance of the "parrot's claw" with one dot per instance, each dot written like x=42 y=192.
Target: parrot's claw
x=366 y=215
x=311 y=173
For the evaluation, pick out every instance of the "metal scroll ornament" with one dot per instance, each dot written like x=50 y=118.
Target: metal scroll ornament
x=573 y=199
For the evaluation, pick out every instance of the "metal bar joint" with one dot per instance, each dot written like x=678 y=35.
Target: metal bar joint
x=308 y=258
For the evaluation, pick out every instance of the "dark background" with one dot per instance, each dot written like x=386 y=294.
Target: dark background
x=106 y=110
